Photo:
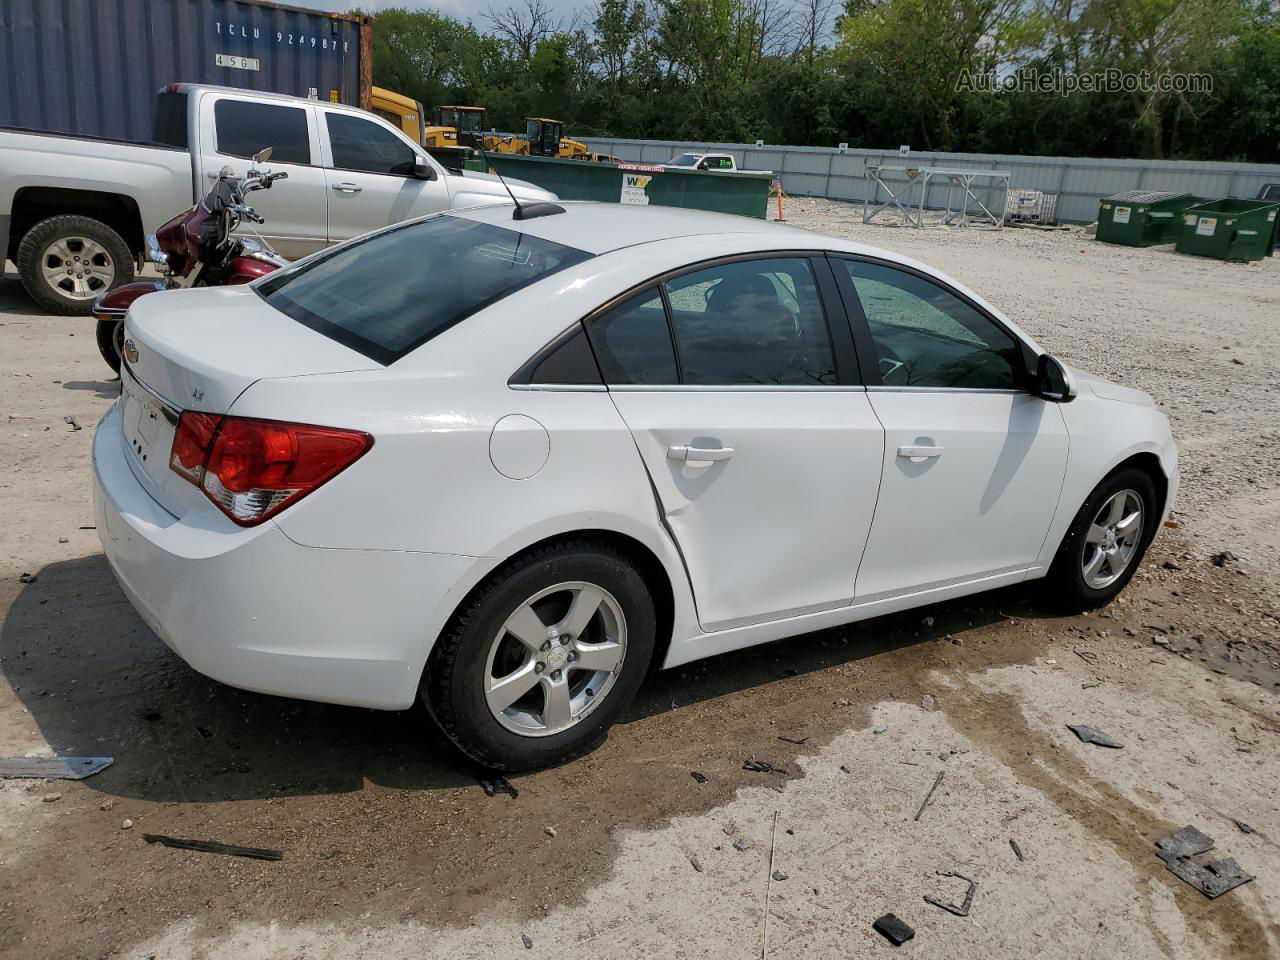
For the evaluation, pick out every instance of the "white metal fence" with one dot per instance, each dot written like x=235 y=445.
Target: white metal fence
x=1078 y=182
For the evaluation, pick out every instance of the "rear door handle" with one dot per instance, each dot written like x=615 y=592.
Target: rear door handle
x=919 y=453
x=347 y=187
x=699 y=454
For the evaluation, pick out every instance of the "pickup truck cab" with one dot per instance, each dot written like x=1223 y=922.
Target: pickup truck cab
x=75 y=211
x=703 y=161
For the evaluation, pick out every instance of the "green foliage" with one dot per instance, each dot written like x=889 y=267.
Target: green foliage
x=886 y=72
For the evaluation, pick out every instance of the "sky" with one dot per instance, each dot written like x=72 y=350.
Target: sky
x=473 y=10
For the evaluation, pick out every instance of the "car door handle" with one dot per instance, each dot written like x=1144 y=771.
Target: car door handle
x=919 y=453
x=347 y=187
x=699 y=454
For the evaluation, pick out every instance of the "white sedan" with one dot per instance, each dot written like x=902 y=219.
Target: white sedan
x=503 y=465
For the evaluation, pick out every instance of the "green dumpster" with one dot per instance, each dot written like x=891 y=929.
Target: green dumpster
x=1140 y=218
x=1229 y=229
x=745 y=194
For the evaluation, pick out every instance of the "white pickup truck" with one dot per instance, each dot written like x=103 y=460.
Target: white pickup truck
x=724 y=162
x=75 y=212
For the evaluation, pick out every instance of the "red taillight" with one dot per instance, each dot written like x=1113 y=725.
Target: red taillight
x=252 y=469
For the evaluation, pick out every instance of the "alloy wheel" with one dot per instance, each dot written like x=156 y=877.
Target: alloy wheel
x=1112 y=540
x=555 y=659
x=77 y=267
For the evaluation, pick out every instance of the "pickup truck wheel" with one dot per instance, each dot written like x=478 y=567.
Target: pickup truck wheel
x=67 y=262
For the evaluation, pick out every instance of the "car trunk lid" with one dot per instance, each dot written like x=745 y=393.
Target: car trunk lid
x=199 y=350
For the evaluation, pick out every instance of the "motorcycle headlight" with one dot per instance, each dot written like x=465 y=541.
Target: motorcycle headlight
x=154 y=253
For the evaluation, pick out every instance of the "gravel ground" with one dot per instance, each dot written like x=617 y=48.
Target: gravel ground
x=393 y=850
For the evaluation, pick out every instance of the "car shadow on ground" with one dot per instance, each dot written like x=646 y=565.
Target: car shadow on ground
x=98 y=682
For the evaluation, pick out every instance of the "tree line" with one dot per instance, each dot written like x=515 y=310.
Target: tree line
x=997 y=76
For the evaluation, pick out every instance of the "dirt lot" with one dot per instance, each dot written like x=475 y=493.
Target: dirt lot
x=393 y=850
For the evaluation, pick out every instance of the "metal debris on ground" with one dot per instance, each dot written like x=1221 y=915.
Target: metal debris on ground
x=779 y=875
x=28 y=578
x=51 y=768
x=929 y=796
x=963 y=909
x=699 y=777
x=527 y=941
x=1017 y=850
x=845 y=769
x=880 y=728
x=796 y=741
x=1212 y=878
x=695 y=862
x=206 y=846
x=499 y=785
x=1223 y=558
x=758 y=766
x=72 y=422
x=1244 y=827
x=1089 y=735
x=893 y=929
x=741 y=844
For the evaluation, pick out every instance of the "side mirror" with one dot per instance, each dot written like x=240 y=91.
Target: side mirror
x=262 y=156
x=1054 y=381
x=421 y=169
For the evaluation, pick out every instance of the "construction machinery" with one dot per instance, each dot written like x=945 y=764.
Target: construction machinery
x=453 y=125
x=403 y=113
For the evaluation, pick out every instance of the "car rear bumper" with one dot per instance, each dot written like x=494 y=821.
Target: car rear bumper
x=251 y=608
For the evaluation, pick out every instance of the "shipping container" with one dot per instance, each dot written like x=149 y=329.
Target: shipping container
x=92 y=67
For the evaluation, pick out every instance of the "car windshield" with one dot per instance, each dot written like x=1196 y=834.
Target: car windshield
x=388 y=294
x=684 y=160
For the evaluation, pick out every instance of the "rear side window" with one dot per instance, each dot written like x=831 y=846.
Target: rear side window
x=245 y=128
x=387 y=294
x=169 y=119
x=633 y=342
x=360 y=145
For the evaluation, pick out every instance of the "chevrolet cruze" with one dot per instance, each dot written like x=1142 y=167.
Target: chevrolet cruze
x=502 y=461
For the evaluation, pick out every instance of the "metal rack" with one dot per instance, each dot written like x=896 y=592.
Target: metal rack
x=960 y=200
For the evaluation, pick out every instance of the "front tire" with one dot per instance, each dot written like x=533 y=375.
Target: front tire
x=111 y=342
x=1106 y=542
x=543 y=657
x=67 y=262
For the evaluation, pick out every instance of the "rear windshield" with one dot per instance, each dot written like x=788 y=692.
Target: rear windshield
x=684 y=160
x=392 y=292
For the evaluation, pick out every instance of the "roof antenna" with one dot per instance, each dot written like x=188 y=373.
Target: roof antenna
x=526 y=211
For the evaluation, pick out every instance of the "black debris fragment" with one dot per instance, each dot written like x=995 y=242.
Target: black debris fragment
x=893 y=929
x=207 y=846
x=28 y=578
x=1017 y=850
x=779 y=875
x=1223 y=558
x=741 y=844
x=51 y=768
x=499 y=784
x=699 y=777
x=527 y=941
x=796 y=740
x=1212 y=878
x=205 y=732
x=1244 y=827
x=757 y=766
x=929 y=796
x=72 y=422
x=963 y=909
x=1089 y=735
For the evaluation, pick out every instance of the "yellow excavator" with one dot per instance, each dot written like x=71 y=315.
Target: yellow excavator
x=403 y=113
x=456 y=126
x=543 y=137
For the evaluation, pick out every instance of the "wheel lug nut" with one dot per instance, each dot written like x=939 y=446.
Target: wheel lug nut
x=539 y=667
x=555 y=674
x=546 y=645
x=572 y=656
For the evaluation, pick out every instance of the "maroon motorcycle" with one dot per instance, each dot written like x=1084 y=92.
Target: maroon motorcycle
x=198 y=248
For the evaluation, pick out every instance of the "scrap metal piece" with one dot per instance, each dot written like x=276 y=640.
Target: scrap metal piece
x=929 y=796
x=963 y=909
x=758 y=766
x=893 y=929
x=209 y=846
x=698 y=777
x=499 y=785
x=1017 y=850
x=1089 y=735
x=52 y=768
x=1213 y=878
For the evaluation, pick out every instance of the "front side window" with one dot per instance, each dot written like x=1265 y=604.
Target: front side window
x=389 y=293
x=684 y=160
x=752 y=322
x=926 y=336
x=244 y=127
x=362 y=145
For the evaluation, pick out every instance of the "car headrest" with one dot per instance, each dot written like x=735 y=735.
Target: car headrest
x=737 y=285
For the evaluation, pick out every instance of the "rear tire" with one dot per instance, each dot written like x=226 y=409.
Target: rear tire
x=501 y=681
x=111 y=342
x=67 y=262
x=1099 y=554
